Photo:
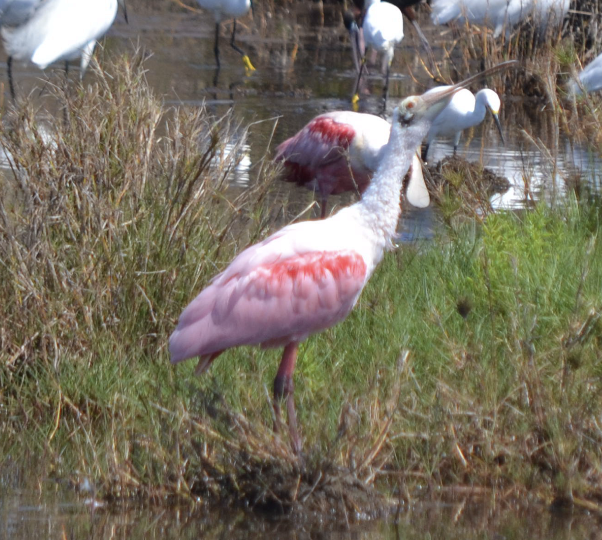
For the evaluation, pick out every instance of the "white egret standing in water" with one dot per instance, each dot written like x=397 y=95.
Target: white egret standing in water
x=382 y=29
x=464 y=111
x=228 y=9
x=500 y=15
x=49 y=31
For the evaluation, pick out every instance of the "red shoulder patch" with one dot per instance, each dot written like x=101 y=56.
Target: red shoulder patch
x=316 y=265
x=333 y=132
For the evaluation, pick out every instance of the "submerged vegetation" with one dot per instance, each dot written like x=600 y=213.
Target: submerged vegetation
x=470 y=365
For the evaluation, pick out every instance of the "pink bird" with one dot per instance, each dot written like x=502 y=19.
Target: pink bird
x=339 y=151
x=308 y=276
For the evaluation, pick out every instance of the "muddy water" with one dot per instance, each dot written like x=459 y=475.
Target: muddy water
x=54 y=514
x=304 y=69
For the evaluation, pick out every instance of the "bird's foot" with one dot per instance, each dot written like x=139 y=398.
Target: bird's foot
x=247 y=62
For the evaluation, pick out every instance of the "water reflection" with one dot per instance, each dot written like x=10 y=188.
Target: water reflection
x=236 y=158
x=39 y=514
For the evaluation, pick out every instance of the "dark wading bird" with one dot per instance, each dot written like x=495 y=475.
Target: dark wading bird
x=308 y=276
x=407 y=9
x=354 y=20
x=48 y=31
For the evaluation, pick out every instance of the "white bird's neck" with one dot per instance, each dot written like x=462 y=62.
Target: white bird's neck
x=480 y=108
x=379 y=209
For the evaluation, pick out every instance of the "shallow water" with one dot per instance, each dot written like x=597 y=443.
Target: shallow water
x=291 y=86
x=59 y=514
x=304 y=69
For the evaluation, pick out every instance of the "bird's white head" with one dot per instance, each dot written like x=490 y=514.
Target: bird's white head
x=493 y=103
x=491 y=100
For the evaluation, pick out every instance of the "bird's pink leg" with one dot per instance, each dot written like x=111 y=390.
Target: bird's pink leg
x=283 y=388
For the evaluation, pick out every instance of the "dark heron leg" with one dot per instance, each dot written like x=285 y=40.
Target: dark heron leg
x=245 y=58
x=356 y=95
x=9 y=69
x=216 y=45
x=386 y=87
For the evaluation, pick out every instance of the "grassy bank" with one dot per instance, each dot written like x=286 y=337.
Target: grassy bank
x=471 y=363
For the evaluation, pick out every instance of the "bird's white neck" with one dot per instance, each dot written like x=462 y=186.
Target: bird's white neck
x=480 y=108
x=379 y=209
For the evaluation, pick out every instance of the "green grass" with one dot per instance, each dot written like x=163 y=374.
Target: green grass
x=472 y=360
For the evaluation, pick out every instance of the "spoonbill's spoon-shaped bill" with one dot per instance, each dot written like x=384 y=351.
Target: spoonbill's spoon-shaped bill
x=339 y=151
x=416 y=192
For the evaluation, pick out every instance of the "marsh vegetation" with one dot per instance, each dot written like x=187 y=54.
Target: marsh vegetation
x=471 y=364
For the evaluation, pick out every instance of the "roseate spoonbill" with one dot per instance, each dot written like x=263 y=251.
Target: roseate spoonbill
x=464 y=110
x=382 y=29
x=339 y=151
x=228 y=9
x=590 y=79
x=307 y=276
x=53 y=30
x=500 y=15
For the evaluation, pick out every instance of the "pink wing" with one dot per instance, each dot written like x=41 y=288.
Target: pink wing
x=271 y=303
x=319 y=152
x=323 y=141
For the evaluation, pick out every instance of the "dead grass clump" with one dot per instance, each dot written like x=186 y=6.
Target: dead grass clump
x=466 y=186
x=217 y=456
x=98 y=225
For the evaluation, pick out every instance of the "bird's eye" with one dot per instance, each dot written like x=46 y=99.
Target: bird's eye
x=406 y=112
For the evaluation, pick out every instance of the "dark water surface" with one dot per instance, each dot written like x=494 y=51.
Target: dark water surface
x=304 y=70
x=61 y=515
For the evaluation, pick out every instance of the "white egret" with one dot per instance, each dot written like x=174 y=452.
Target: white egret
x=56 y=30
x=382 y=29
x=590 y=79
x=500 y=15
x=464 y=110
x=228 y=9
x=407 y=9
